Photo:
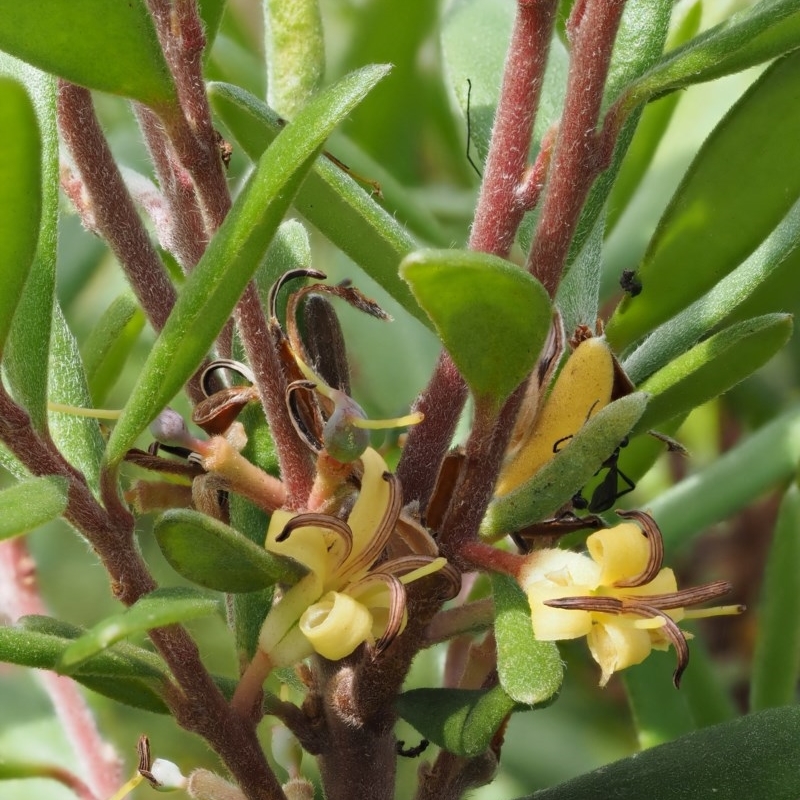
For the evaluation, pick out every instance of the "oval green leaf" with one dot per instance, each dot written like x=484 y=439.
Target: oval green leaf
x=491 y=316
x=710 y=368
x=731 y=186
x=329 y=199
x=570 y=469
x=461 y=721
x=31 y=503
x=214 y=555
x=20 y=195
x=108 y=46
x=754 y=756
x=157 y=609
x=530 y=672
x=216 y=283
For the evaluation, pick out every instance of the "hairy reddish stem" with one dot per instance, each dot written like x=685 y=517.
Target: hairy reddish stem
x=580 y=153
x=427 y=443
x=499 y=211
x=110 y=204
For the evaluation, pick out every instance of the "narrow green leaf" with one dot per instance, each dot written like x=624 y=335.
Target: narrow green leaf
x=214 y=555
x=158 y=609
x=329 y=199
x=710 y=368
x=38 y=642
x=754 y=756
x=31 y=503
x=754 y=35
x=462 y=721
x=108 y=345
x=660 y=712
x=652 y=125
x=776 y=663
x=731 y=186
x=567 y=472
x=125 y=673
x=530 y=672
x=211 y=12
x=20 y=195
x=214 y=286
x=730 y=483
x=77 y=437
x=707 y=693
x=728 y=300
x=108 y=46
x=492 y=316
x=27 y=348
x=294 y=47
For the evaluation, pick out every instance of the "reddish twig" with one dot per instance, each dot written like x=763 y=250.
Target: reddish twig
x=110 y=205
x=580 y=153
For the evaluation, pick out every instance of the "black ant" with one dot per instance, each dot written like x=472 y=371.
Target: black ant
x=630 y=283
x=608 y=491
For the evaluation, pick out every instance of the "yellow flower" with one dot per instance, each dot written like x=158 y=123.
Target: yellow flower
x=619 y=596
x=349 y=595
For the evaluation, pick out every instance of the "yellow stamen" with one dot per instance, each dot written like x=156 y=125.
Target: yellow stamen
x=394 y=422
x=77 y=411
x=128 y=787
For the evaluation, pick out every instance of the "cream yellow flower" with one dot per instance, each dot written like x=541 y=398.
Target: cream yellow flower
x=349 y=595
x=619 y=596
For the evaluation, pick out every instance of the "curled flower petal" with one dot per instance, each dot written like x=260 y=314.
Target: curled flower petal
x=615 y=645
x=621 y=552
x=336 y=625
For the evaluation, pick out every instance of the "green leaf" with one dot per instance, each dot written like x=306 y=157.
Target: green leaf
x=710 y=368
x=730 y=483
x=329 y=198
x=652 y=125
x=125 y=673
x=214 y=555
x=754 y=35
x=462 y=721
x=530 y=672
x=768 y=267
x=108 y=46
x=216 y=283
x=492 y=316
x=295 y=53
x=731 y=186
x=27 y=348
x=776 y=662
x=31 y=503
x=754 y=756
x=567 y=472
x=108 y=345
x=660 y=712
x=78 y=437
x=157 y=609
x=20 y=195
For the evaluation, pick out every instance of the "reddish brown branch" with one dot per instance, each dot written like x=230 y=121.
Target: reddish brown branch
x=499 y=211
x=110 y=205
x=580 y=153
x=296 y=462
